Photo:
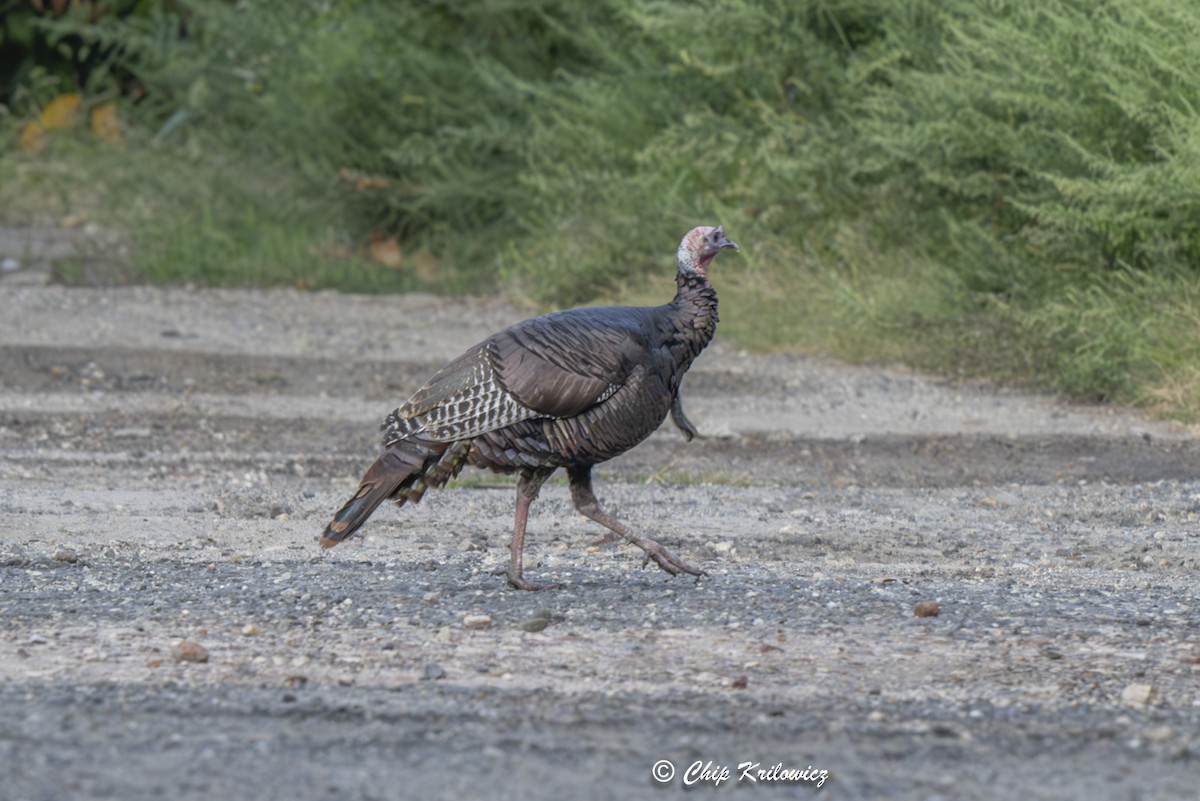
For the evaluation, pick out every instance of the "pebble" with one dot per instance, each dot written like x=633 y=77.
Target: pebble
x=1159 y=734
x=250 y=630
x=927 y=609
x=433 y=671
x=189 y=651
x=477 y=622
x=538 y=622
x=1137 y=694
x=66 y=555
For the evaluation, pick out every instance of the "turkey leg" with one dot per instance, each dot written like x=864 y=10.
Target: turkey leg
x=528 y=486
x=588 y=506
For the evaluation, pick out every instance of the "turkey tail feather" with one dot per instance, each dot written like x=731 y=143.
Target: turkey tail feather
x=405 y=470
x=355 y=512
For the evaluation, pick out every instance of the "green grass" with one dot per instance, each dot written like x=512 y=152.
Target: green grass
x=995 y=190
x=209 y=220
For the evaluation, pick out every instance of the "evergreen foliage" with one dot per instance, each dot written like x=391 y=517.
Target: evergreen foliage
x=999 y=187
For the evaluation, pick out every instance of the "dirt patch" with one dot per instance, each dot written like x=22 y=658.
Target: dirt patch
x=171 y=455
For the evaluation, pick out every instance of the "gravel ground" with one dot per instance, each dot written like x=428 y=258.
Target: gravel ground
x=169 y=457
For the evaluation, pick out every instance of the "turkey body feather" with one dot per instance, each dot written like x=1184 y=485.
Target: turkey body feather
x=569 y=389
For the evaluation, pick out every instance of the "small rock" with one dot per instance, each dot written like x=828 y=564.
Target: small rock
x=433 y=671
x=153 y=663
x=945 y=730
x=188 y=651
x=9 y=264
x=1006 y=499
x=295 y=681
x=477 y=622
x=1159 y=734
x=927 y=609
x=538 y=621
x=250 y=630
x=1137 y=694
x=739 y=682
x=66 y=555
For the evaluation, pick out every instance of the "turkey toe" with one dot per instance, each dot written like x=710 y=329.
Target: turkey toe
x=667 y=560
x=519 y=583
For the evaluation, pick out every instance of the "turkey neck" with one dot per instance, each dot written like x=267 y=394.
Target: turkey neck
x=693 y=317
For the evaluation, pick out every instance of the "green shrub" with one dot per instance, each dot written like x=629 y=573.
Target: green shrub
x=1001 y=188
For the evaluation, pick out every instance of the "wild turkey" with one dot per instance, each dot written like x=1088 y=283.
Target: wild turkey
x=570 y=389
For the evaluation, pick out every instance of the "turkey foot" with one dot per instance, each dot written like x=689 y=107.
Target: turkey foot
x=520 y=583
x=589 y=507
x=665 y=559
x=528 y=486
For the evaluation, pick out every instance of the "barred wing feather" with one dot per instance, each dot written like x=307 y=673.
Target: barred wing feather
x=544 y=367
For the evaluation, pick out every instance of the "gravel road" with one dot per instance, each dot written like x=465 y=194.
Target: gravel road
x=169 y=457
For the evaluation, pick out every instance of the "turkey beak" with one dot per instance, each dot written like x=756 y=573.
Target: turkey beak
x=720 y=242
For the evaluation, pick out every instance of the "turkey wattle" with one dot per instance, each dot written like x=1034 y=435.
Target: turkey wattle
x=570 y=389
